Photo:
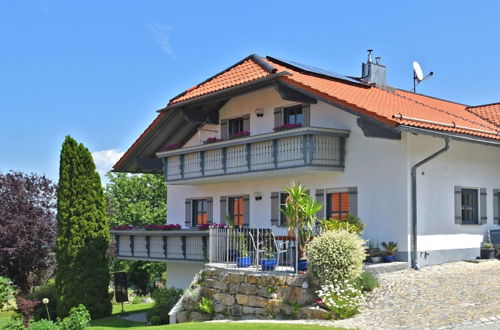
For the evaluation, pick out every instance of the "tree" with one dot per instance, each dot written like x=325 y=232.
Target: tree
x=27 y=228
x=83 y=234
x=137 y=200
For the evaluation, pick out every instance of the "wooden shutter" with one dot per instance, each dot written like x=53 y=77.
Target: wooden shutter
x=223 y=129
x=482 y=205
x=210 y=209
x=353 y=201
x=306 y=115
x=496 y=206
x=278 y=116
x=320 y=198
x=246 y=123
x=275 y=209
x=458 y=205
x=246 y=214
x=223 y=209
x=189 y=212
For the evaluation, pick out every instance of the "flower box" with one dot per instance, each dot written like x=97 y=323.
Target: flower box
x=162 y=227
x=171 y=146
x=206 y=226
x=239 y=135
x=211 y=140
x=285 y=127
x=123 y=227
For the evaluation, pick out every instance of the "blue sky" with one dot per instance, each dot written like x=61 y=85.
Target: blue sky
x=98 y=70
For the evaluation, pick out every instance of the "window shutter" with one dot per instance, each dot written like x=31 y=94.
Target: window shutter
x=482 y=202
x=246 y=123
x=189 y=212
x=278 y=116
x=306 y=115
x=353 y=201
x=320 y=198
x=275 y=209
x=223 y=129
x=210 y=209
x=496 y=206
x=246 y=214
x=223 y=209
x=458 y=205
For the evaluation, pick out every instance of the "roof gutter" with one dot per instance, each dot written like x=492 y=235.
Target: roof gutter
x=400 y=116
x=414 y=261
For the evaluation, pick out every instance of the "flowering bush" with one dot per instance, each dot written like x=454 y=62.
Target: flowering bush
x=343 y=298
x=211 y=140
x=284 y=127
x=163 y=227
x=206 y=226
x=172 y=146
x=335 y=256
x=123 y=227
x=239 y=134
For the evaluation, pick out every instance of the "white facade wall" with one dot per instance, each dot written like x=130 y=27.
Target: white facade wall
x=377 y=167
x=464 y=164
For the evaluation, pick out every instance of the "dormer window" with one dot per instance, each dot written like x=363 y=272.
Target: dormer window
x=293 y=115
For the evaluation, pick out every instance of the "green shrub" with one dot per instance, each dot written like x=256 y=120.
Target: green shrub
x=13 y=324
x=165 y=299
x=155 y=320
x=335 y=256
x=206 y=306
x=78 y=319
x=367 y=281
x=44 y=325
x=48 y=291
x=351 y=223
x=6 y=291
x=342 y=298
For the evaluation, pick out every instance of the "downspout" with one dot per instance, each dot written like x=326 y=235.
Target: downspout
x=414 y=263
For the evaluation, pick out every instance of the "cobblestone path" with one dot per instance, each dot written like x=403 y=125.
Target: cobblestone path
x=442 y=296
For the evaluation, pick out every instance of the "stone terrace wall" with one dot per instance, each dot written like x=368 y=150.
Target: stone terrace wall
x=245 y=293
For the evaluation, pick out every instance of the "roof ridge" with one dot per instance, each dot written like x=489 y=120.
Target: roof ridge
x=483 y=105
x=441 y=110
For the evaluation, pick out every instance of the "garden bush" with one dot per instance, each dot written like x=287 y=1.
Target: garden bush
x=351 y=223
x=165 y=299
x=44 y=325
x=343 y=298
x=335 y=256
x=78 y=319
x=367 y=281
x=13 y=324
x=6 y=291
x=48 y=291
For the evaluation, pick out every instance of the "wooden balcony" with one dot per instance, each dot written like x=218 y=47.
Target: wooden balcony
x=296 y=150
x=188 y=246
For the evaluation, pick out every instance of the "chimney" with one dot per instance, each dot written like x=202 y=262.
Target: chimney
x=373 y=73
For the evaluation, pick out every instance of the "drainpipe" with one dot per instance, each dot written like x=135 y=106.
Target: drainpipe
x=414 y=263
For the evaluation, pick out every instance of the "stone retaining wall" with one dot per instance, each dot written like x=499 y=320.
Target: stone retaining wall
x=243 y=293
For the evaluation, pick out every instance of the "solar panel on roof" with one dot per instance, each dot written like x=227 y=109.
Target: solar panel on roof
x=320 y=71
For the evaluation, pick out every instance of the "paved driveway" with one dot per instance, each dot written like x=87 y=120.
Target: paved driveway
x=452 y=295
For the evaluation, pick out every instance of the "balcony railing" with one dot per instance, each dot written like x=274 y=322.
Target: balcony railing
x=312 y=148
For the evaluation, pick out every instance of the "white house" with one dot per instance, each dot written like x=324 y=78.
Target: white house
x=356 y=143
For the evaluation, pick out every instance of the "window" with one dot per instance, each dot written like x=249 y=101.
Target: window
x=237 y=210
x=337 y=205
x=235 y=126
x=200 y=212
x=470 y=206
x=496 y=206
x=293 y=115
x=283 y=197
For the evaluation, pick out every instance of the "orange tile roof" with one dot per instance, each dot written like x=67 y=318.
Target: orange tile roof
x=489 y=112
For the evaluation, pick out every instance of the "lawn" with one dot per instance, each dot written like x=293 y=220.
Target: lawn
x=5 y=317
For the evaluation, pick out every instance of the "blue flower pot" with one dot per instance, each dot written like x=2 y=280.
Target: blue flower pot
x=243 y=262
x=268 y=264
x=388 y=258
x=302 y=265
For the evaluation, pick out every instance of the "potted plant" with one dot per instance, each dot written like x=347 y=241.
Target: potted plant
x=374 y=253
x=390 y=249
x=243 y=260
x=487 y=251
x=300 y=210
x=269 y=262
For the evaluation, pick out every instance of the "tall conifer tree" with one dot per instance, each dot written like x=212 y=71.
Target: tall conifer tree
x=83 y=234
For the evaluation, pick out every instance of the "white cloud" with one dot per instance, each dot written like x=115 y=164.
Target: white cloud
x=162 y=37
x=105 y=159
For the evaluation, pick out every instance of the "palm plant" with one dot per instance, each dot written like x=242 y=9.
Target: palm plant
x=390 y=248
x=300 y=210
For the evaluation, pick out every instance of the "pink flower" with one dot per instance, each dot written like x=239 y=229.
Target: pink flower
x=286 y=126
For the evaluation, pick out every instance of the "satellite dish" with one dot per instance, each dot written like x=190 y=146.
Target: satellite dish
x=417 y=69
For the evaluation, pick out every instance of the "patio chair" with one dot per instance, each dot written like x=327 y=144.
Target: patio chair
x=494 y=238
x=268 y=241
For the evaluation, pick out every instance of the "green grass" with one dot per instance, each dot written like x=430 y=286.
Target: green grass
x=129 y=308
x=5 y=317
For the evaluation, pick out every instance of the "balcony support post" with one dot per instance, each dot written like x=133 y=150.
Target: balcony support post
x=275 y=153
x=312 y=146
x=183 y=240
x=181 y=158
x=132 y=237
x=148 y=249
x=202 y=163
x=247 y=156
x=165 y=247
x=224 y=160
